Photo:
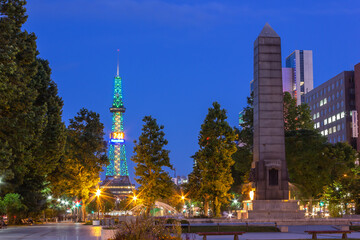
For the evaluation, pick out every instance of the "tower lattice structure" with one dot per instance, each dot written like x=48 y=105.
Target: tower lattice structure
x=117 y=151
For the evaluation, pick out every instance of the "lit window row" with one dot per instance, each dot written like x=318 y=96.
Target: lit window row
x=334 y=118
x=323 y=102
x=317 y=125
x=332 y=130
x=316 y=115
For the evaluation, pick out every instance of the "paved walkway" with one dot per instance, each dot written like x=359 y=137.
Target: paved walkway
x=59 y=231
x=77 y=231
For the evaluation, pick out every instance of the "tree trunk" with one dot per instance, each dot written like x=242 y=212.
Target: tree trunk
x=357 y=206
x=310 y=206
x=83 y=213
x=206 y=207
x=217 y=207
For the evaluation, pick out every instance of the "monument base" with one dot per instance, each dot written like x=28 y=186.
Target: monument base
x=271 y=209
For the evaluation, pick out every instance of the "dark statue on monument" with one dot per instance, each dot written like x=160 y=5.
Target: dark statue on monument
x=269 y=174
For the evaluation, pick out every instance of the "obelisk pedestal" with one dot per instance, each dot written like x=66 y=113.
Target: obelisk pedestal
x=269 y=171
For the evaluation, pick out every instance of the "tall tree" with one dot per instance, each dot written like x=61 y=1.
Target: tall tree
x=217 y=144
x=31 y=130
x=151 y=158
x=18 y=137
x=85 y=156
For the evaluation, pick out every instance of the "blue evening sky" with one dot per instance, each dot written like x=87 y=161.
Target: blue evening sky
x=177 y=57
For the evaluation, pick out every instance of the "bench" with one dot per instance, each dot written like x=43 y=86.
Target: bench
x=344 y=233
x=204 y=234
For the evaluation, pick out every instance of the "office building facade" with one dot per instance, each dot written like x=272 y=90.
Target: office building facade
x=334 y=109
x=298 y=75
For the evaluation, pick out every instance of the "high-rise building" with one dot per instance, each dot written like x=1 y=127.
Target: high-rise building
x=334 y=107
x=117 y=175
x=298 y=75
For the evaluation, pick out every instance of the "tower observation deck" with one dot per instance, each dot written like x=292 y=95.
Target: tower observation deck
x=117 y=174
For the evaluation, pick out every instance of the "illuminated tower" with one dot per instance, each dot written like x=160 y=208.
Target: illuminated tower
x=117 y=152
x=117 y=175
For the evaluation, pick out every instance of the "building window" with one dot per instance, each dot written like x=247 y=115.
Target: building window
x=341 y=92
x=325 y=121
x=343 y=126
x=318 y=124
x=330 y=130
x=338 y=116
x=317 y=115
x=338 y=128
x=342 y=103
x=342 y=114
x=321 y=103
x=326 y=132
x=334 y=129
x=333 y=118
x=343 y=137
x=325 y=101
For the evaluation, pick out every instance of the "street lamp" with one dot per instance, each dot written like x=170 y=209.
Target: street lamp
x=98 y=192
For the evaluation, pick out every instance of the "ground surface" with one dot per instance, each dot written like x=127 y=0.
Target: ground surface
x=60 y=231
x=77 y=231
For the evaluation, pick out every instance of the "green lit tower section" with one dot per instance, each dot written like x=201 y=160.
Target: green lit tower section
x=117 y=152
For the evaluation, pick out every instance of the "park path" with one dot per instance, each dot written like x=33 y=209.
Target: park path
x=77 y=231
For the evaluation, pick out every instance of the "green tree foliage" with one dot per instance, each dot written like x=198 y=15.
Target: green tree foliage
x=314 y=164
x=307 y=162
x=151 y=158
x=243 y=155
x=32 y=135
x=296 y=117
x=85 y=156
x=213 y=160
x=17 y=117
x=12 y=205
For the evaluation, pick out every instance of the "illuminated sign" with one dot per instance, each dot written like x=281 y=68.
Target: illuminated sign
x=117 y=137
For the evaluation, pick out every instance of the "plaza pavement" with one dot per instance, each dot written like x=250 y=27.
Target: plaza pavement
x=77 y=231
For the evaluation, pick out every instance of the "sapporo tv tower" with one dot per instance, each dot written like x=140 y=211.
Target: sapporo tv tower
x=117 y=174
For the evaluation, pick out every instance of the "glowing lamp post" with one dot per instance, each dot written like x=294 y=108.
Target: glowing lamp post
x=98 y=192
x=251 y=194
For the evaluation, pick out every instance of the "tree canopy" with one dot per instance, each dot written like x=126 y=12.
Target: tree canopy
x=213 y=160
x=151 y=159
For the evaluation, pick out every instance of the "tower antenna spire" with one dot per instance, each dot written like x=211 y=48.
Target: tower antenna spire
x=117 y=69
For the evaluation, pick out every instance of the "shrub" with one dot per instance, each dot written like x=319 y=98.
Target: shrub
x=147 y=228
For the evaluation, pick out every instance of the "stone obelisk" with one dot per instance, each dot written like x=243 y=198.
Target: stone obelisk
x=271 y=178
x=269 y=171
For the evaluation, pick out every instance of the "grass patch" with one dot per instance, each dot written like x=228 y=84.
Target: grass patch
x=195 y=229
